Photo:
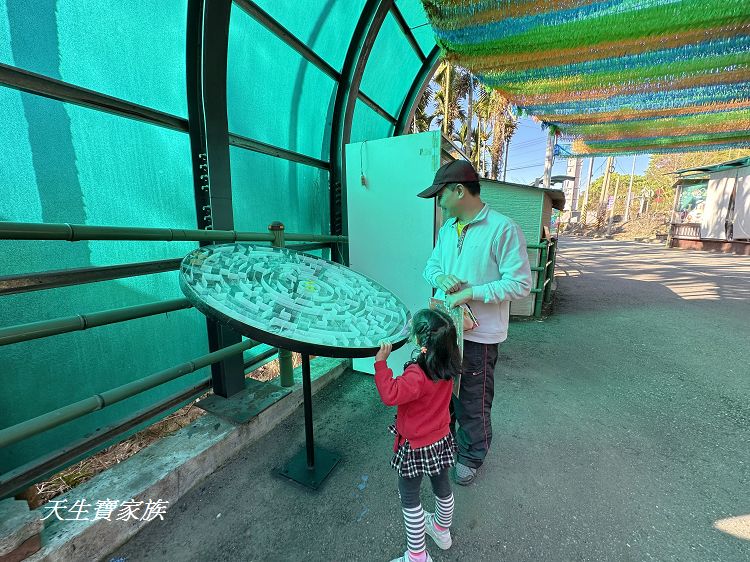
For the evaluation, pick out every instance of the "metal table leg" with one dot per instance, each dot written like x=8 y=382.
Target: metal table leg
x=303 y=468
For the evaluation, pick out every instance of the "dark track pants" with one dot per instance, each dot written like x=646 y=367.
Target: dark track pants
x=473 y=407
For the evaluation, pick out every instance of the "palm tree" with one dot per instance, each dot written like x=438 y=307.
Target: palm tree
x=451 y=88
x=463 y=136
x=422 y=119
x=450 y=81
x=496 y=126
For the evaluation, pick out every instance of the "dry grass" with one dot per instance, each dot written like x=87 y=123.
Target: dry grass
x=645 y=227
x=39 y=494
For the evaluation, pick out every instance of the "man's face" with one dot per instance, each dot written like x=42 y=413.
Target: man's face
x=448 y=200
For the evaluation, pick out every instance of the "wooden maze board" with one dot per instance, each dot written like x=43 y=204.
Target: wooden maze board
x=293 y=300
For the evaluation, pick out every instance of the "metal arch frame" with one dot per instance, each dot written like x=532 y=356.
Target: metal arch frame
x=263 y=18
x=406 y=30
x=37 y=84
x=206 y=79
x=276 y=28
x=418 y=86
x=369 y=24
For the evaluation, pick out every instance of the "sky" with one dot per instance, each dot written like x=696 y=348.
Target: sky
x=526 y=158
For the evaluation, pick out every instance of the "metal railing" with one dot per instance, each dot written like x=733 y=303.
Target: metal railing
x=10 y=482
x=687 y=230
x=57 y=417
x=545 y=273
x=45 y=280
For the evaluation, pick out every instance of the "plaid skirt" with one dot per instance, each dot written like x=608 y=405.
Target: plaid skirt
x=424 y=461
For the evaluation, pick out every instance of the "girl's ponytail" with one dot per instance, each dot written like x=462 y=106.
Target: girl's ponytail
x=435 y=332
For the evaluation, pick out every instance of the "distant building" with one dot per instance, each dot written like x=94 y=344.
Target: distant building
x=712 y=208
x=571 y=188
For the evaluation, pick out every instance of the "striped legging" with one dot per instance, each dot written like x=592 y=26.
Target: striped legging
x=411 y=506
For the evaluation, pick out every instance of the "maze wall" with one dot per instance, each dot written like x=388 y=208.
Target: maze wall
x=279 y=293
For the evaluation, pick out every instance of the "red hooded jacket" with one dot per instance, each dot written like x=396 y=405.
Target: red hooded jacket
x=422 y=416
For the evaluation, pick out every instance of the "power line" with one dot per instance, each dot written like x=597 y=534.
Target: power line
x=527 y=144
x=526 y=167
x=526 y=162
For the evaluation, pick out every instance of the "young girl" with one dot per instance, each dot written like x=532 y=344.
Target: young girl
x=423 y=444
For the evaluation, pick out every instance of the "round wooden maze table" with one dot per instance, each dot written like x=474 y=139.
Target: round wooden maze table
x=297 y=302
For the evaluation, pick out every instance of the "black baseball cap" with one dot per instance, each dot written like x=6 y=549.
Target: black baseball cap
x=457 y=171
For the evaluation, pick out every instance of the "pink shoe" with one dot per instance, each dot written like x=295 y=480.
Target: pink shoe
x=442 y=538
x=405 y=558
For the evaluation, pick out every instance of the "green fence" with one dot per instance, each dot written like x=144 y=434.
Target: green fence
x=41 y=465
x=546 y=274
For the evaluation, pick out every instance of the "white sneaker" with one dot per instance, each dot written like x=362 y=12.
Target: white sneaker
x=442 y=538
x=405 y=558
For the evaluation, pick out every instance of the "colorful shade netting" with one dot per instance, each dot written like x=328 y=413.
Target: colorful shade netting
x=612 y=77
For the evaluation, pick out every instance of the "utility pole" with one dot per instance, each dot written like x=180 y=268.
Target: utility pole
x=480 y=148
x=630 y=191
x=605 y=190
x=446 y=95
x=605 y=185
x=548 y=161
x=470 y=116
x=612 y=210
x=588 y=186
x=505 y=163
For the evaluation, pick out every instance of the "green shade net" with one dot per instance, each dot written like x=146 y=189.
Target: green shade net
x=65 y=163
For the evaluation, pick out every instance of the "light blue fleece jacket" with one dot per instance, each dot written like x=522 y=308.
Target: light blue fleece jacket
x=494 y=262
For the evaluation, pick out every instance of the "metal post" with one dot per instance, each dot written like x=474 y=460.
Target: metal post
x=286 y=366
x=307 y=397
x=548 y=160
x=584 y=208
x=206 y=78
x=505 y=156
x=302 y=468
x=551 y=258
x=541 y=276
x=612 y=210
x=630 y=192
x=610 y=167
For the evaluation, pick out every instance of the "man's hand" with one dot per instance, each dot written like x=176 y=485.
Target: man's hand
x=459 y=298
x=384 y=352
x=449 y=283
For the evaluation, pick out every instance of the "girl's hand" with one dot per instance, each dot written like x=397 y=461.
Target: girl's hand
x=385 y=351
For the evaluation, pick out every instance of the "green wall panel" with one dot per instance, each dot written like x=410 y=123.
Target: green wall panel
x=416 y=19
x=390 y=51
x=273 y=94
x=267 y=189
x=368 y=125
x=326 y=26
x=131 y=50
x=77 y=165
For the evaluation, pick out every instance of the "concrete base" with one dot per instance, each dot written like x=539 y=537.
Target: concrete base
x=738 y=247
x=165 y=471
x=19 y=530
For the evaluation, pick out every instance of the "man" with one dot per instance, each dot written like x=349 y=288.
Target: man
x=480 y=259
